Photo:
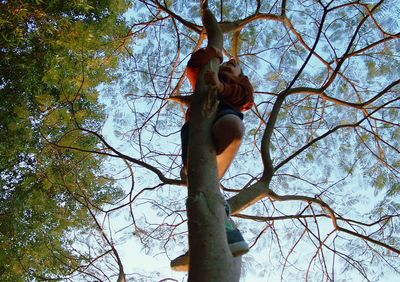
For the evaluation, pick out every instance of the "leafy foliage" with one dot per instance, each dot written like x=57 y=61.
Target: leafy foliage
x=53 y=56
x=327 y=70
x=335 y=66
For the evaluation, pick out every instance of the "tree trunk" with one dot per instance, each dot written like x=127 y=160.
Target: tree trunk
x=210 y=257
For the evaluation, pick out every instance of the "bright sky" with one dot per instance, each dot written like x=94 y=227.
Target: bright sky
x=260 y=264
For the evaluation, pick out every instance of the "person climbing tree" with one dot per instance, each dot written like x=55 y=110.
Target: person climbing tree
x=235 y=95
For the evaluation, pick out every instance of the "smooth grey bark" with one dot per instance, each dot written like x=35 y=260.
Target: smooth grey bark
x=210 y=257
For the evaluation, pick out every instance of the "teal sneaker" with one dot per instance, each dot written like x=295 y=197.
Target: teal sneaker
x=236 y=243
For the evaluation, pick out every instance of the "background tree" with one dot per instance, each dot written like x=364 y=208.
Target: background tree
x=316 y=185
x=53 y=56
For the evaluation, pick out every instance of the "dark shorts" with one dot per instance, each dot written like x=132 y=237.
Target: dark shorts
x=223 y=109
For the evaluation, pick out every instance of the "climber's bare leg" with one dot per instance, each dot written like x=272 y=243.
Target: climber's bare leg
x=228 y=133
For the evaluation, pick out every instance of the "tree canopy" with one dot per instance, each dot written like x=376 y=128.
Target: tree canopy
x=315 y=187
x=54 y=55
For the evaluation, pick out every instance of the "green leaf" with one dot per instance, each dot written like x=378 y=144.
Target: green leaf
x=380 y=181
